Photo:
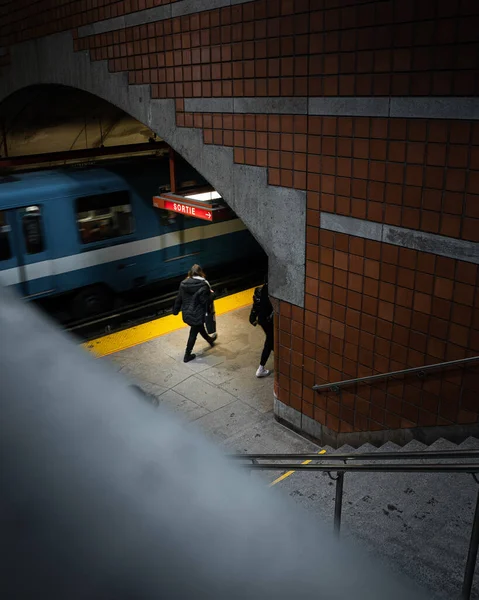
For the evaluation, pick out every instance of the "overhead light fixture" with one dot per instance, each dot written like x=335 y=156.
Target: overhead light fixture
x=205 y=196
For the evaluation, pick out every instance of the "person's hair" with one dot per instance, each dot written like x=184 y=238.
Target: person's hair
x=196 y=271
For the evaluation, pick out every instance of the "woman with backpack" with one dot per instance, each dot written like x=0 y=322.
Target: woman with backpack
x=262 y=313
x=194 y=299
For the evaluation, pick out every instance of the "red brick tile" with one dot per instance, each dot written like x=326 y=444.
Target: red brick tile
x=466 y=272
x=307 y=408
x=444 y=288
x=412 y=196
x=341 y=242
x=312 y=252
x=331 y=421
x=472 y=205
x=311 y=302
x=462 y=315
x=337 y=329
x=320 y=416
x=425 y=283
x=426 y=262
x=471 y=229
x=422 y=302
x=340 y=279
x=386 y=310
x=371 y=268
x=458 y=334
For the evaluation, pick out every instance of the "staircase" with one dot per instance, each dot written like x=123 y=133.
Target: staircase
x=418 y=524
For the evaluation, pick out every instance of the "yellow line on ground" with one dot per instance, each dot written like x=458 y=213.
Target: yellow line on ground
x=121 y=340
x=288 y=473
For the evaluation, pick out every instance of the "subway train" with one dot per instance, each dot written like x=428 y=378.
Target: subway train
x=93 y=233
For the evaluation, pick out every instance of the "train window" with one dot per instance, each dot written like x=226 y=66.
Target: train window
x=32 y=229
x=5 y=248
x=104 y=216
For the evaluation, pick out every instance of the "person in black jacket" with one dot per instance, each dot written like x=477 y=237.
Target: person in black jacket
x=262 y=313
x=193 y=299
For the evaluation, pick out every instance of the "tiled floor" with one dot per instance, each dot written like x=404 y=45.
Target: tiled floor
x=218 y=392
x=390 y=515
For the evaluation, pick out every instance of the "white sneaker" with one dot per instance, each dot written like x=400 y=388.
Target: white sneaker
x=262 y=372
x=213 y=336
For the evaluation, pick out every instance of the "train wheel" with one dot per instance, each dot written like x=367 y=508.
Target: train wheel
x=91 y=301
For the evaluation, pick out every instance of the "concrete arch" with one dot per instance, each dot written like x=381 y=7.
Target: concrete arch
x=276 y=216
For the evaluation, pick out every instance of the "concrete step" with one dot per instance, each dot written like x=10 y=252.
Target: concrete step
x=471 y=443
x=417 y=523
x=442 y=445
x=414 y=446
x=345 y=449
x=366 y=449
x=389 y=447
x=329 y=449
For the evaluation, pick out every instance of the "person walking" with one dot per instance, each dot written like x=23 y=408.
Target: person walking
x=194 y=297
x=262 y=313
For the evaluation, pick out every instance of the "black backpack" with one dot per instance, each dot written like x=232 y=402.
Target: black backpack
x=255 y=309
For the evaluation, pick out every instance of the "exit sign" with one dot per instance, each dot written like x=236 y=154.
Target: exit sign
x=192 y=211
x=206 y=211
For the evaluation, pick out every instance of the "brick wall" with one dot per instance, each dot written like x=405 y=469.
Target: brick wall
x=24 y=20
x=286 y=48
x=370 y=306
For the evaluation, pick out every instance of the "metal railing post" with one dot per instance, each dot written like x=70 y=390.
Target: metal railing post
x=471 y=556
x=338 y=503
x=310 y=464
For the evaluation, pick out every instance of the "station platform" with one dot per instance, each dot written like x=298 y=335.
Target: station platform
x=390 y=515
x=217 y=392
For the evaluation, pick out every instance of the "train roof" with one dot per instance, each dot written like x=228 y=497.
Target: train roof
x=19 y=188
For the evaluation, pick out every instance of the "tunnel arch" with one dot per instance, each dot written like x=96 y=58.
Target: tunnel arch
x=51 y=118
x=276 y=216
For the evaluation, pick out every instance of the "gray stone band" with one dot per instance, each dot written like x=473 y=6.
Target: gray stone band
x=158 y=13
x=397 y=107
x=409 y=108
x=400 y=236
x=356 y=107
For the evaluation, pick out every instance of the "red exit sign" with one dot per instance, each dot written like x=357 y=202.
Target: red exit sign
x=192 y=209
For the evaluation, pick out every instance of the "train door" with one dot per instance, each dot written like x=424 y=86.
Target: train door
x=33 y=254
x=173 y=241
x=193 y=237
x=182 y=242
x=9 y=270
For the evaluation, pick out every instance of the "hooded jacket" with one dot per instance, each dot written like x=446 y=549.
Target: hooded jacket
x=262 y=312
x=194 y=298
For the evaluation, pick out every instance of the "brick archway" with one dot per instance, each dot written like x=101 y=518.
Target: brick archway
x=276 y=216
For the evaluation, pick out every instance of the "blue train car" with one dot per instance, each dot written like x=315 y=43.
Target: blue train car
x=95 y=232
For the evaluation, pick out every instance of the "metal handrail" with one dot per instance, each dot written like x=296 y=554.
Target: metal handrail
x=403 y=467
x=441 y=454
x=337 y=385
x=471 y=468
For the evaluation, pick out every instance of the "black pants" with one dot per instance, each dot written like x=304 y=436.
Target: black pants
x=268 y=329
x=194 y=331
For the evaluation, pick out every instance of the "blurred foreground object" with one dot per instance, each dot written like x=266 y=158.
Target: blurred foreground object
x=104 y=497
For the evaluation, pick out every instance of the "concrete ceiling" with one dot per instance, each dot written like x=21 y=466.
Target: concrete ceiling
x=50 y=118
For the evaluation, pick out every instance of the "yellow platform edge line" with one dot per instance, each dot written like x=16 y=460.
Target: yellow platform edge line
x=139 y=334
x=289 y=473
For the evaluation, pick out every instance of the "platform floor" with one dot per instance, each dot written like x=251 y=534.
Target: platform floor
x=416 y=525
x=218 y=391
